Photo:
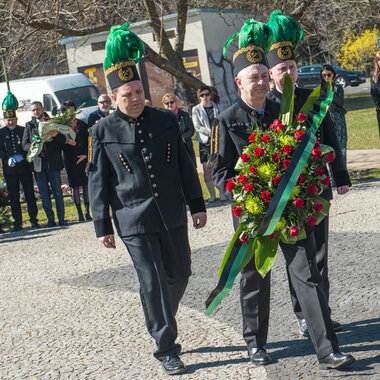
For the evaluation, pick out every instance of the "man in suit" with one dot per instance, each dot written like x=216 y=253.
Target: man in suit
x=104 y=106
x=15 y=167
x=139 y=166
x=48 y=165
x=281 y=64
x=230 y=136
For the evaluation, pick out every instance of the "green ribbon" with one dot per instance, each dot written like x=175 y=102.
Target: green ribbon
x=35 y=148
x=239 y=255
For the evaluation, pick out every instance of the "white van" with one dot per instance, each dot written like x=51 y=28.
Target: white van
x=51 y=91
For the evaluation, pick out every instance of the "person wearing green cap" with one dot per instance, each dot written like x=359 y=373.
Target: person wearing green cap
x=139 y=166
x=230 y=135
x=15 y=167
x=286 y=34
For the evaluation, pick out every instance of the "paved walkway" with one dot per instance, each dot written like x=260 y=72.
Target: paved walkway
x=70 y=309
x=363 y=159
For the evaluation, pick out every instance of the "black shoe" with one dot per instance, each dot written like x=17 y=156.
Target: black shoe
x=63 y=223
x=50 y=224
x=337 y=326
x=16 y=228
x=88 y=216
x=302 y=328
x=35 y=224
x=172 y=364
x=259 y=356
x=335 y=360
x=1 y=230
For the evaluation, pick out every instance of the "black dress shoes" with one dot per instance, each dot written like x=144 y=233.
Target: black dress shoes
x=172 y=364
x=259 y=356
x=304 y=331
x=16 y=228
x=63 y=223
x=35 y=224
x=335 y=360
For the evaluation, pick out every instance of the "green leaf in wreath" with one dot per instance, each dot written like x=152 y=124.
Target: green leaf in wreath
x=265 y=254
x=287 y=101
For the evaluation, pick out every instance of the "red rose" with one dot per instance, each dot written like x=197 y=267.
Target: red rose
x=248 y=187
x=277 y=124
x=298 y=135
x=237 y=210
x=326 y=181
x=244 y=238
x=312 y=189
x=311 y=220
x=299 y=202
x=301 y=117
x=276 y=180
x=294 y=231
x=330 y=157
x=276 y=157
x=301 y=179
x=317 y=144
x=287 y=149
x=253 y=170
x=316 y=153
x=265 y=195
x=259 y=152
x=265 y=139
x=242 y=179
x=252 y=138
x=230 y=185
x=320 y=171
x=271 y=235
x=286 y=163
x=317 y=206
x=245 y=157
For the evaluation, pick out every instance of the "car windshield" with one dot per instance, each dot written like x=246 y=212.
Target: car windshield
x=87 y=95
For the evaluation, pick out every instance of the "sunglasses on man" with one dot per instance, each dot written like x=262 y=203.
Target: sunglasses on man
x=204 y=94
x=105 y=102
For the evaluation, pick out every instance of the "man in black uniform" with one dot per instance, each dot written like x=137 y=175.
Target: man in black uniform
x=281 y=64
x=229 y=137
x=15 y=167
x=140 y=167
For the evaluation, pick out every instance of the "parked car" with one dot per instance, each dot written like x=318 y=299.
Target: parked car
x=308 y=76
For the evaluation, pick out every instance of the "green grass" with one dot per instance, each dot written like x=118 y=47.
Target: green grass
x=362 y=128
x=364 y=175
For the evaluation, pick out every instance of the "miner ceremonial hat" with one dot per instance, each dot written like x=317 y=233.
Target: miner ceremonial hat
x=255 y=39
x=286 y=34
x=123 y=50
x=9 y=106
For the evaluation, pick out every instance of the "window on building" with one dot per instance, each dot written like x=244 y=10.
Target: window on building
x=95 y=46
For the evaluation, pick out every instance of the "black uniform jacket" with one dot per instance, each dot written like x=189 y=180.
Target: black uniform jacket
x=186 y=125
x=51 y=151
x=10 y=145
x=143 y=171
x=326 y=135
x=230 y=135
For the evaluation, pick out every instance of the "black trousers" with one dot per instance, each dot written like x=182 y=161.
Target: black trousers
x=321 y=233
x=163 y=266
x=13 y=184
x=306 y=279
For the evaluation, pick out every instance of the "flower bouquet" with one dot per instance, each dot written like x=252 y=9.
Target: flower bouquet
x=61 y=123
x=281 y=174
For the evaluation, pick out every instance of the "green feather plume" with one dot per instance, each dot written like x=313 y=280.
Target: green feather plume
x=122 y=45
x=285 y=28
x=10 y=102
x=252 y=33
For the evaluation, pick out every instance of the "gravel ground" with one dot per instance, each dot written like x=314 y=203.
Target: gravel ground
x=70 y=308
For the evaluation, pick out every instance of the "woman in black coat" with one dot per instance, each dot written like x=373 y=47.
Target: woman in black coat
x=75 y=160
x=375 y=87
x=337 y=110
